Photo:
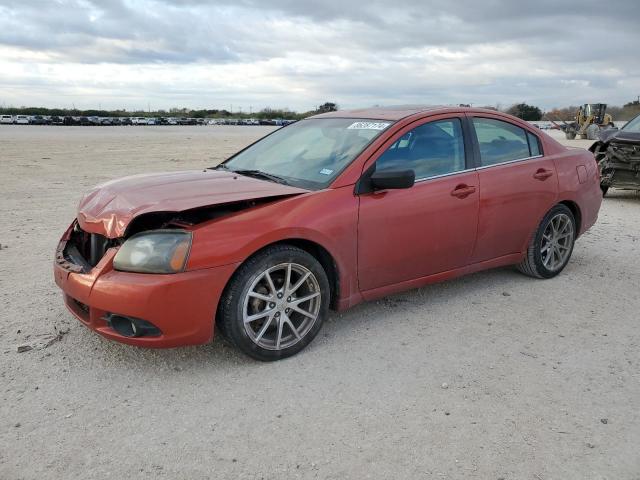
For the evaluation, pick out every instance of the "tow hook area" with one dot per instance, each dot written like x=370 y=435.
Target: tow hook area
x=131 y=327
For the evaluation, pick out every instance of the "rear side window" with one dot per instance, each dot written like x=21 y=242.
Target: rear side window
x=503 y=142
x=534 y=145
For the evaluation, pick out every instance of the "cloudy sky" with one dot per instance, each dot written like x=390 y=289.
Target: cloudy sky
x=299 y=53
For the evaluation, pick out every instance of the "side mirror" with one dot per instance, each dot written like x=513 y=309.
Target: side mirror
x=393 y=179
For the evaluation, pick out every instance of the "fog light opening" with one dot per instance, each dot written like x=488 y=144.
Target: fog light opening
x=132 y=327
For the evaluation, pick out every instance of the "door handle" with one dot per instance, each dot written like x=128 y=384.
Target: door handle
x=542 y=174
x=463 y=191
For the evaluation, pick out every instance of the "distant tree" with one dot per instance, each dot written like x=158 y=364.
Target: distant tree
x=327 y=107
x=561 y=114
x=525 y=112
x=627 y=112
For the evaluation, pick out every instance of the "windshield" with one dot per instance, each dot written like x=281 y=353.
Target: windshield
x=633 y=125
x=309 y=153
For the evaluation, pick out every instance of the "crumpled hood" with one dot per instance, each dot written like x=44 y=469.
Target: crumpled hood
x=627 y=137
x=615 y=135
x=110 y=207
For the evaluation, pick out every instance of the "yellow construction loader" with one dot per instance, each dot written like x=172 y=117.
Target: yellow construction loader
x=589 y=120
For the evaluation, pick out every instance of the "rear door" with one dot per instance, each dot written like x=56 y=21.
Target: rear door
x=518 y=185
x=430 y=227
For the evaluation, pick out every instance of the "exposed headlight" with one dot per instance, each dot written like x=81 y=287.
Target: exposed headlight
x=158 y=251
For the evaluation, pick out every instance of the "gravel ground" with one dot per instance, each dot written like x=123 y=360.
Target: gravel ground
x=490 y=376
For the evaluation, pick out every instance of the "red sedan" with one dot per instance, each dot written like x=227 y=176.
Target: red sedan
x=325 y=213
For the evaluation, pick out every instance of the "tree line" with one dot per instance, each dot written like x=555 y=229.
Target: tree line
x=520 y=110
x=623 y=113
x=264 y=114
x=533 y=113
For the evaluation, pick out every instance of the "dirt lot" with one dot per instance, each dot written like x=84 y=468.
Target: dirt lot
x=490 y=376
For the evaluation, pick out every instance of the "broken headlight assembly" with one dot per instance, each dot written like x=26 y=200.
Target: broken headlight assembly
x=158 y=251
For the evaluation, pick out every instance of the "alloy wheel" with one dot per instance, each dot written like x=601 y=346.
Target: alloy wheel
x=557 y=242
x=281 y=306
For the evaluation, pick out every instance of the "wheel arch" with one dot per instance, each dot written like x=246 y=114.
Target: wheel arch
x=325 y=258
x=575 y=210
x=319 y=252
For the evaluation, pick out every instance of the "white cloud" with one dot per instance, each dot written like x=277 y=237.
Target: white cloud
x=297 y=54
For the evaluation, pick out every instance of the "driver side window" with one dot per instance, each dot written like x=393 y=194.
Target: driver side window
x=433 y=149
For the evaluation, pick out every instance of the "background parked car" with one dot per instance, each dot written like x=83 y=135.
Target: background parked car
x=22 y=120
x=6 y=119
x=618 y=155
x=38 y=120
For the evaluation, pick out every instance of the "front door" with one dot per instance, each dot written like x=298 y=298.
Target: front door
x=430 y=227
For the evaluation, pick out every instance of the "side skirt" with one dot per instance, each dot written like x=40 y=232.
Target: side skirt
x=375 y=293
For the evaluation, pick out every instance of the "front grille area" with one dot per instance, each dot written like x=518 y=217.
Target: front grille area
x=627 y=153
x=83 y=250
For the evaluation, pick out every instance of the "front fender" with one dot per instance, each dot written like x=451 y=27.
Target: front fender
x=327 y=218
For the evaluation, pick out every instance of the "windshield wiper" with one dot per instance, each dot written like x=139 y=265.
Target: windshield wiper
x=261 y=174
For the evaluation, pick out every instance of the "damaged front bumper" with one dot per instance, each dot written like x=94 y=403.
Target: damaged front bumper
x=620 y=166
x=181 y=306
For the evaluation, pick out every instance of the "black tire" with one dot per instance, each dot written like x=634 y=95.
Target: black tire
x=592 y=132
x=533 y=265
x=232 y=304
x=604 y=189
x=570 y=134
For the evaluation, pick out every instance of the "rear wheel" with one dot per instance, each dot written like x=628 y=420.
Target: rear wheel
x=552 y=244
x=592 y=132
x=276 y=303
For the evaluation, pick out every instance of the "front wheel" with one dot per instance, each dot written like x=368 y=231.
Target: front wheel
x=276 y=303
x=552 y=244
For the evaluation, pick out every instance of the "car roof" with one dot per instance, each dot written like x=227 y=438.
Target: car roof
x=396 y=112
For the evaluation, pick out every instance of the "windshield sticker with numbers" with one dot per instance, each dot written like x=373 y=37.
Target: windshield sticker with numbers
x=368 y=126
